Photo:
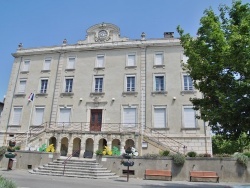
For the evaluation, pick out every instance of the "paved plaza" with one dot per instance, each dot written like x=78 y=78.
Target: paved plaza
x=24 y=179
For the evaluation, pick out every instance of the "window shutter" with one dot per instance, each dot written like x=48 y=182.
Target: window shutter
x=129 y=117
x=131 y=60
x=64 y=115
x=100 y=61
x=26 y=66
x=189 y=118
x=38 y=119
x=160 y=117
x=47 y=64
x=17 y=116
x=158 y=59
x=22 y=86
x=71 y=63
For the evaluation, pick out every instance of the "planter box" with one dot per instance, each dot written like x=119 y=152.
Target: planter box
x=10 y=155
x=128 y=163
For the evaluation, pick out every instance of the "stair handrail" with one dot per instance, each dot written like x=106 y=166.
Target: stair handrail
x=42 y=126
x=69 y=157
x=165 y=136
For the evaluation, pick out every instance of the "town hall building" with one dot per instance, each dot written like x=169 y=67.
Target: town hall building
x=105 y=90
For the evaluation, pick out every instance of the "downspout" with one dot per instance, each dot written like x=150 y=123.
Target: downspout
x=53 y=97
x=12 y=100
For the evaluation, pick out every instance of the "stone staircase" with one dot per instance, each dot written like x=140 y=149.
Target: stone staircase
x=75 y=167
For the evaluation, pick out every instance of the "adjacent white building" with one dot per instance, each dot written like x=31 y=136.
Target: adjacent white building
x=104 y=90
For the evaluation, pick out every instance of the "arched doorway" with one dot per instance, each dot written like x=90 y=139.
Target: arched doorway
x=52 y=140
x=89 y=148
x=102 y=144
x=64 y=146
x=129 y=143
x=76 y=147
x=116 y=147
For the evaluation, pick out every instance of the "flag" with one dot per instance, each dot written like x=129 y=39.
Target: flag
x=31 y=97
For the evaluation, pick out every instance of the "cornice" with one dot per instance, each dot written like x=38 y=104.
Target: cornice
x=97 y=46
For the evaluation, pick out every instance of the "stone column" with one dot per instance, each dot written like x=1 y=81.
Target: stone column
x=83 y=146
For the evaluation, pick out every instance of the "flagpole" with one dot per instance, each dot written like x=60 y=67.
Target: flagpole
x=31 y=110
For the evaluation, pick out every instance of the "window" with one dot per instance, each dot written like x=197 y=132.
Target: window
x=129 y=116
x=68 y=85
x=98 y=87
x=16 y=118
x=187 y=83
x=44 y=85
x=189 y=117
x=22 y=86
x=64 y=115
x=38 y=116
x=130 y=83
x=26 y=65
x=46 y=65
x=100 y=61
x=71 y=62
x=159 y=83
x=158 y=58
x=160 y=117
x=131 y=59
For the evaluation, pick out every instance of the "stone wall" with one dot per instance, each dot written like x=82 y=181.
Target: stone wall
x=29 y=160
x=227 y=168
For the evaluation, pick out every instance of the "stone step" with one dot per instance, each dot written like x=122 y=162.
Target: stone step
x=74 y=172
x=99 y=167
x=74 y=169
x=76 y=176
x=82 y=168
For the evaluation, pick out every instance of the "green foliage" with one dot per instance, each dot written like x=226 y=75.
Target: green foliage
x=247 y=154
x=221 y=144
x=223 y=155
x=219 y=64
x=98 y=152
x=17 y=147
x=151 y=156
x=192 y=154
x=241 y=158
x=179 y=159
x=43 y=148
x=164 y=153
x=5 y=183
x=2 y=150
x=204 y=155
x=115 y=151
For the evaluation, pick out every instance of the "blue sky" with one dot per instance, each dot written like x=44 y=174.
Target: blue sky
x=48 y=22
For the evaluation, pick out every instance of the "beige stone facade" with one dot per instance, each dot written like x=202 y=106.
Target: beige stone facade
x=104 y=90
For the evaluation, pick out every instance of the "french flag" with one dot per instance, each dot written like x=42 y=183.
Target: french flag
x=31 y=97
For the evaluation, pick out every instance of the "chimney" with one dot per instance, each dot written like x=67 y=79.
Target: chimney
x=168 y=34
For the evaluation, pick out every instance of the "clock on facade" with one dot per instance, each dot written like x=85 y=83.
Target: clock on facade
x=102 y=34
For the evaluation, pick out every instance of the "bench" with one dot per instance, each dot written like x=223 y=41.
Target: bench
x=158 y=173
x=203 y=174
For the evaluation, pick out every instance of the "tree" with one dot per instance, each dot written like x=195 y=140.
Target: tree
x=219 y=64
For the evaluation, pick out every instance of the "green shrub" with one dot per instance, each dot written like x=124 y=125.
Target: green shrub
x=204 y=155
x=247 y=154
x=164 y=153
x=179 y=159
x=98 y=152
x=17 y=148
x=151 y=155
x=192 y=154
x=241 y=158
x=223 y=155
x=115 y=151
x=5 y=183
x=3 y=150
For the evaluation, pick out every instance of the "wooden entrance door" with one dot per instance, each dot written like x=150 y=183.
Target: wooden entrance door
x=96 y=120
